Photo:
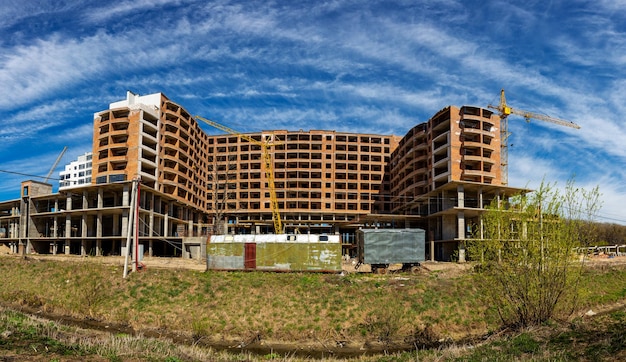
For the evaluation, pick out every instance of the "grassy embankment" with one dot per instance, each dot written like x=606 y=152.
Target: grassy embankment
x=317 y=312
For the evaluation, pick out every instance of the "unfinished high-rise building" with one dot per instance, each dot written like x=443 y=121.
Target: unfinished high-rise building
x=438 y=177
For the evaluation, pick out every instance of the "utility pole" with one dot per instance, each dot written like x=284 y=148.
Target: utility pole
x=132 y=211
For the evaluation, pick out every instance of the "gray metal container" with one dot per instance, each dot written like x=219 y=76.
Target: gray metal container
x=391 y=246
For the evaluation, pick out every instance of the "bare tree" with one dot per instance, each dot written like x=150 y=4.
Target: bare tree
x=221 y=187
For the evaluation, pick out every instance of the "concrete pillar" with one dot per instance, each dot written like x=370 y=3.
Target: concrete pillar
x=83 y=232
x=68 y=233
x=125 y=224
x=460 y=230
x=100 y=198
x=55 y=227
x=83 y=226
x=166 y=220
x=99 y=225
x=462 y=258
x=23 y=221
x=151 y=231
x=99 y=231
x=460 y=195
x=126 y=195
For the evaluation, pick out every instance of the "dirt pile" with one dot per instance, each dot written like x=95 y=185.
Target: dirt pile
x=4 y=249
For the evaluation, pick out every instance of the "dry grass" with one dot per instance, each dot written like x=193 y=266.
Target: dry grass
x=192 y=310
x=239 y=306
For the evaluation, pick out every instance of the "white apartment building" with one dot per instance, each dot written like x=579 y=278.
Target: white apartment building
x=77 y=173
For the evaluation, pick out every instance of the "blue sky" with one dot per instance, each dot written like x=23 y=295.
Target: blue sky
x=357 y=66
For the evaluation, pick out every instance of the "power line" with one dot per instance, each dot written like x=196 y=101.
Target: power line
x=29 y=175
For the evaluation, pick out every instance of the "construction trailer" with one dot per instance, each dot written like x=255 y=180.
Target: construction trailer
x=381 y=248
x=275 y=252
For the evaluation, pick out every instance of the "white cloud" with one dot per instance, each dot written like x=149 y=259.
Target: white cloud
x=118 y=9
x=332 y=65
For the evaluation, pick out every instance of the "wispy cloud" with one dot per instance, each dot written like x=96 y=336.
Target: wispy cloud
x=373 y=67
x=36 y=167
x=119 y=9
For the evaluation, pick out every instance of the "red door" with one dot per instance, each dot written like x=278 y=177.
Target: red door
x=249 y=256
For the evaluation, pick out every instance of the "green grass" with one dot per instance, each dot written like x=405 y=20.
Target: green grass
x=323 y=309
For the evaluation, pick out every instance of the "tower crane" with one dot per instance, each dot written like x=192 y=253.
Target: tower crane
x=505 y=110
x=55 y=164
x=269 y=169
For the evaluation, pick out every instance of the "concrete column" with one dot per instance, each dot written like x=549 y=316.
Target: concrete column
x=55 y=231
x=83 y=226
x=166 y=220
x=125 y=219
x=460 y=195
x=126 y=195
x=151 y=231
x=460 y=230
x=55 y=242
x=85 y=200
x=68 y=233
x=461 y=223
x=99 y=230
x=23 y=223
x=55 y=227
x=125 y=204
x=99 y=247
x=99 y=225
x=100 y=198
x=462 y=252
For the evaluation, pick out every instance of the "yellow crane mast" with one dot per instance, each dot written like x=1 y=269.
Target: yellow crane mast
x=505 y=110
x=269 y=168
